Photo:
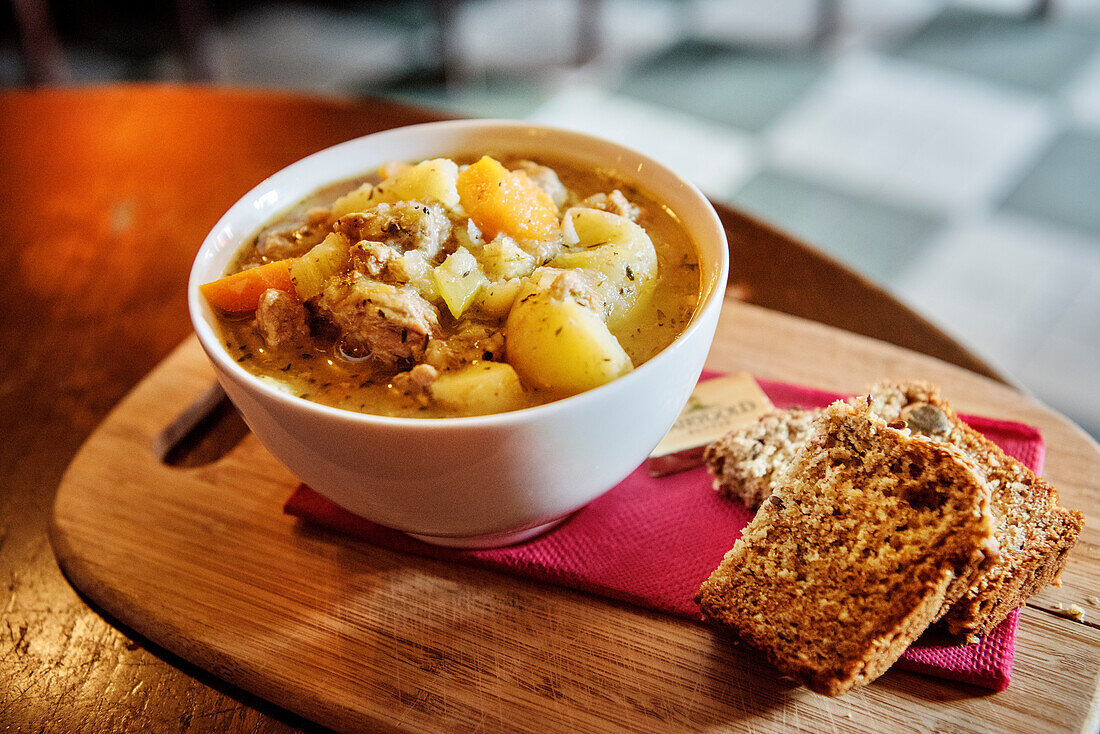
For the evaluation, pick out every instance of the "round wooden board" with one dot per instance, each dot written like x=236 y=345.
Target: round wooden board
x=203 y=562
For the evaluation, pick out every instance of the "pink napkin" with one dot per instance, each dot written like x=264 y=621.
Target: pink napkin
x=651 y=542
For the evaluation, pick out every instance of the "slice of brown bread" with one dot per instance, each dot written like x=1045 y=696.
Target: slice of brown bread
x=854 y=552
x=744 y=461
x=1034 y=532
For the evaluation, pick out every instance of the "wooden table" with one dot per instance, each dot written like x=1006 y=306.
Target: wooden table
x=105 y=195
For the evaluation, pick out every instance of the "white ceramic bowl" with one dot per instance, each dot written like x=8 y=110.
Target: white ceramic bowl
x=488 y=480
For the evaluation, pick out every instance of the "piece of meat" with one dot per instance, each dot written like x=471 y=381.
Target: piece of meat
x=387 y=323
x=423 y=375
x=371 y=258
x=280 y=245
x=616 y=203
x=406 y=225
x=547 y=180
x=281 y=319
x=571 y=284
x=297 y=240
x=408 y=267
x=564 y=284
x=542 y=250
x=416 y=383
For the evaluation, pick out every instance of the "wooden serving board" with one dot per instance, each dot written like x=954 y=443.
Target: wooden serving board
x=202 y=561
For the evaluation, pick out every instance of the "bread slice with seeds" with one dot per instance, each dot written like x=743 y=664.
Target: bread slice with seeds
x=863 y=540
x=744 y=461
x=1034 y=532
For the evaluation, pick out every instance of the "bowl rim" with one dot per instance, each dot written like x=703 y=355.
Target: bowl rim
x=216 y=352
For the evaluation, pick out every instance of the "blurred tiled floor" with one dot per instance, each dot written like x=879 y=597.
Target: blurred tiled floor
x=954 y=157
x=950 y=150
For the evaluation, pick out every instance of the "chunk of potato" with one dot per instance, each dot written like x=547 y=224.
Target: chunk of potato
x=496 y=299
x=499 y=200
x=414 y=268
x=562 y=346
x=356 y=200
x=503 y=258
x=459 y=280
x=469 y=236
x=479 y=389
x=310 y=271
x=427 y=181
x=620 y=251
x=392 y=169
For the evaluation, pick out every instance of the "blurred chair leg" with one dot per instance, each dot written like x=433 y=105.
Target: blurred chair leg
x=588 y=31
x=43 y=60
x=827 y=22
x=455 y=70
x=192 y=23
x=1041 y=9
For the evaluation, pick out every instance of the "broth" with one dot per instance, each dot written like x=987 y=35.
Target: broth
x=323 y=368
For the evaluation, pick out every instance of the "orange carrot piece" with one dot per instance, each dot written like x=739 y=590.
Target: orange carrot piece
x=240 y=292
x=499 y=200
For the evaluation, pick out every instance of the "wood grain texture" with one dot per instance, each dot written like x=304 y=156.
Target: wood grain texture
x=105 y=195
x=202 y=561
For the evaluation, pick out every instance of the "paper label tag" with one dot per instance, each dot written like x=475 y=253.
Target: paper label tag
x=715 y=407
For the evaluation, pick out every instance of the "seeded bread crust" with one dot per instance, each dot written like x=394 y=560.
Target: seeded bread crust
x=856 y=550
x=1034 y=532
x=744 y=461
